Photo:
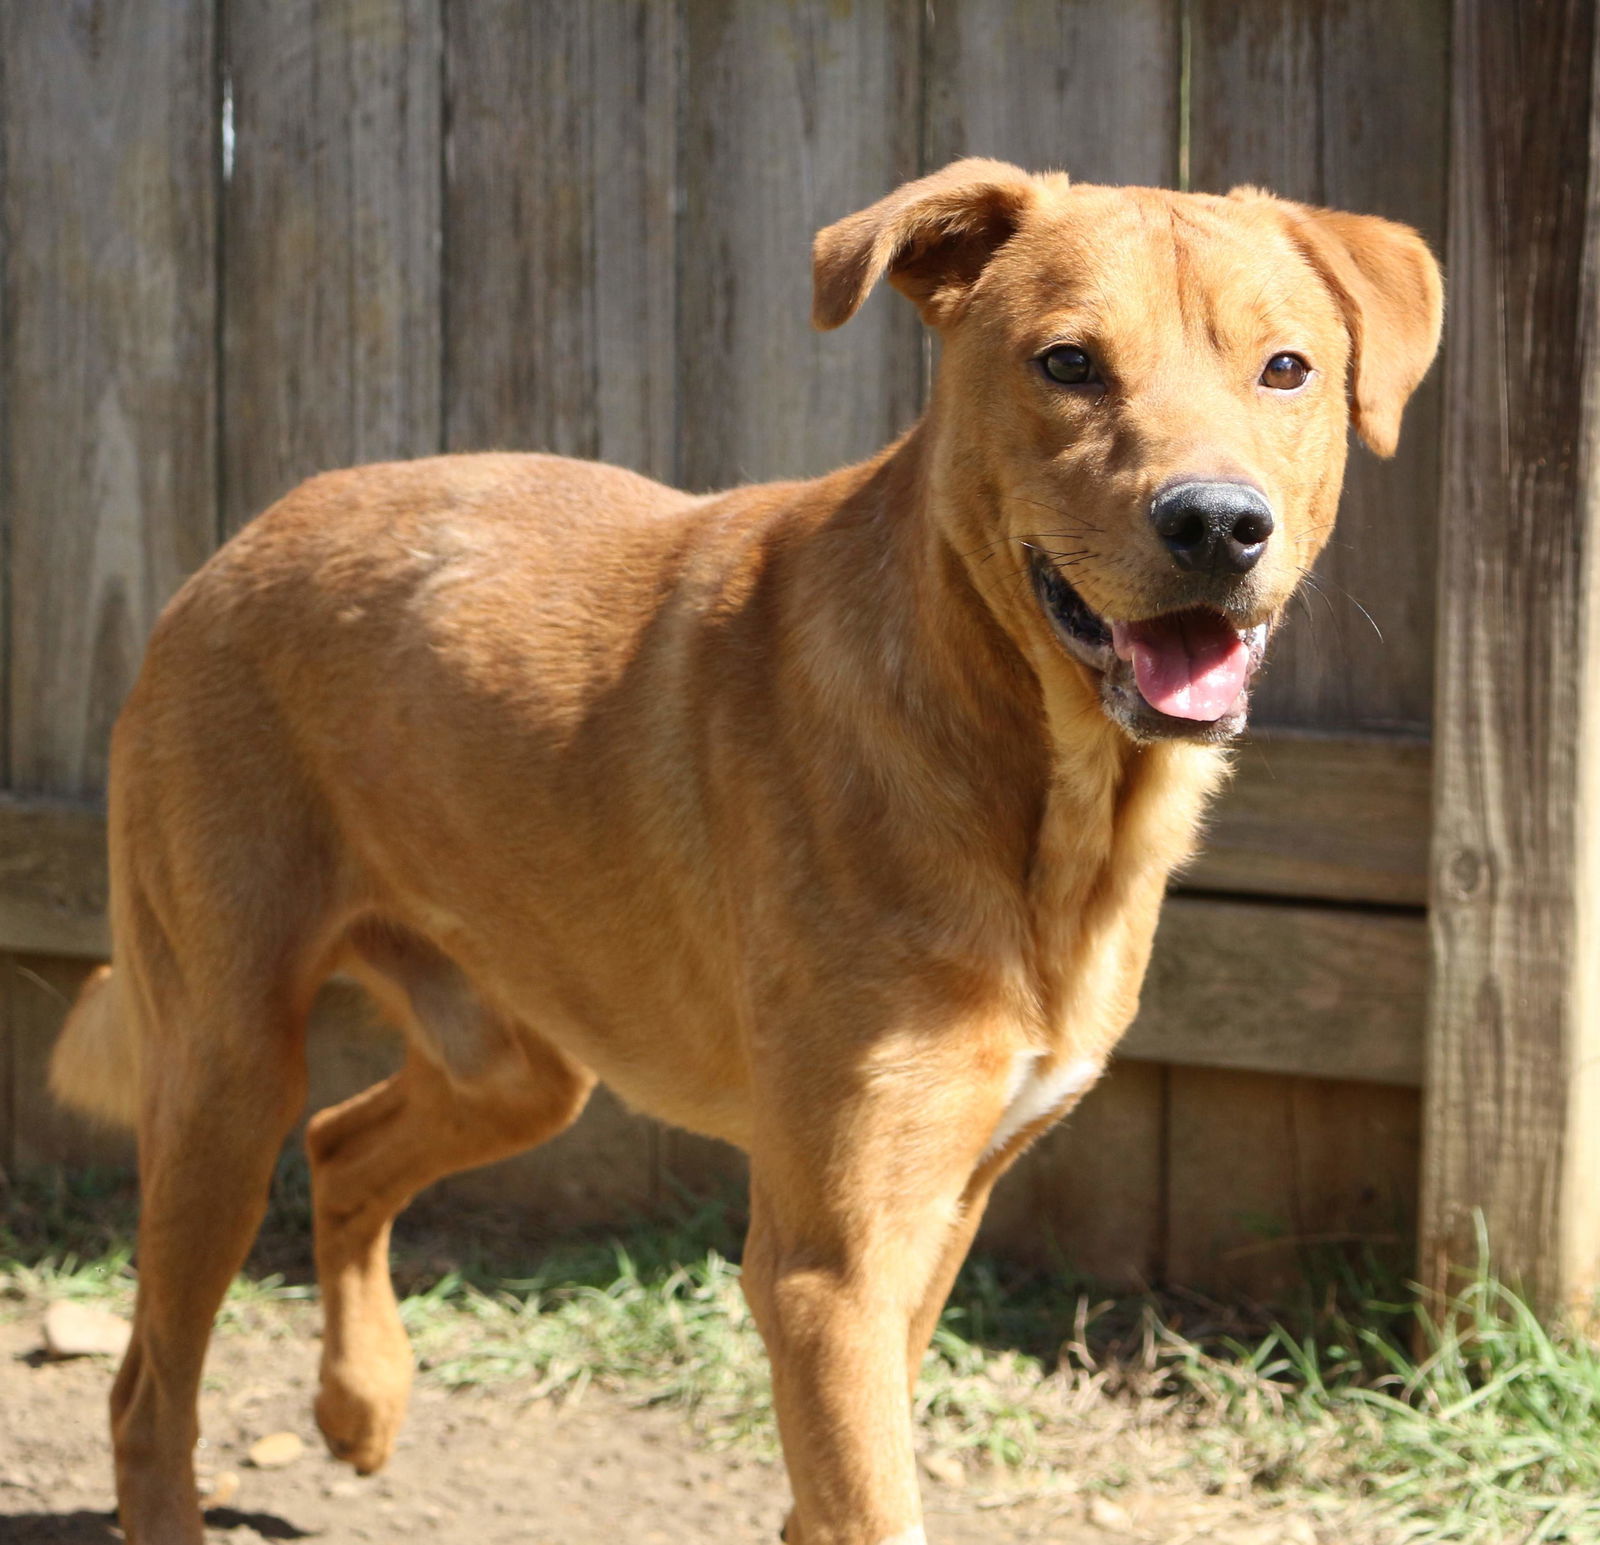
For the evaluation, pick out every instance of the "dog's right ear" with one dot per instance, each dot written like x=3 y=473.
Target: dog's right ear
x=932 y=237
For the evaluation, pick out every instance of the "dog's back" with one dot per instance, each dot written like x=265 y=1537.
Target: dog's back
x=532 y=718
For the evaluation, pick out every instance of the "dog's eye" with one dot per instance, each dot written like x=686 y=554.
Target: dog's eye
x=1068 y=364
x=1285 y=372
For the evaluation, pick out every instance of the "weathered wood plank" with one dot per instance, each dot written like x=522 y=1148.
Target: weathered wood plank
x=1080 y=86
x=1328 y=992
x=794 y=116
x=331 y=216
x=560 y=250
x=1269 y=1177
x=1090 y=1194
x=35 y=993
x=53 y=877
x=635 y=207
x=107 y=380
x=1513 y=1113
x=1344 y=105
x=1345 y=818
x=8 y=1069
x=689 y=1165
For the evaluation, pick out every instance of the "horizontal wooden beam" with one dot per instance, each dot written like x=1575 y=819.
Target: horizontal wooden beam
x=52 y=877
x=1324 y=992
x=1307 y=816
x=1344 y=818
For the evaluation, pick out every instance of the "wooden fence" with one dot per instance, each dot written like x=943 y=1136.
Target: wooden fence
x=245 y=240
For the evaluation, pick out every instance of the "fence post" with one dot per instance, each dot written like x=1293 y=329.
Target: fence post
x=1512 y=1104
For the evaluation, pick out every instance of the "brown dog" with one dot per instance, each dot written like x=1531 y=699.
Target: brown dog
x=830 y=818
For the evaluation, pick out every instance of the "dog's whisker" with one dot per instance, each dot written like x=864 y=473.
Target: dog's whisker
x=1373 y=621
x=1054 y=510
x=986 y=547
x=1311 y=583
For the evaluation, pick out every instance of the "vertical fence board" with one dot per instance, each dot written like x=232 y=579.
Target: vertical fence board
x=1386 y=120
x=1514 y=1075
x=1267 y=1173
x=693 y=1166
x=794 y=117
x=107 y=378
x=635 y=235
x=1343 y=105
x=1084 y=87
x=10 y=1087
x=1230 y=1183
x=1255 y=98
x=1088 y=1196
x=559 y=241
x=107 y=402
x=330 y=241
x=34 y=993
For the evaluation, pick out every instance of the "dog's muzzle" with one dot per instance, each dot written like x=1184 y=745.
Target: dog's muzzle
x=1181 y=674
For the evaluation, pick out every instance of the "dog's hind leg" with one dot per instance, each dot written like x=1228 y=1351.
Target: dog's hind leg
x=223 y=1082
x=508 y=1091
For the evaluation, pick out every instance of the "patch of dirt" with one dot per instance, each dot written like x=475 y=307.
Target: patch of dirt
x=479 y=1467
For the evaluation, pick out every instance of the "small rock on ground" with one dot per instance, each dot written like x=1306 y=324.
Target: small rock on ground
x=276 y=1450
x=80 y=1330
x=219 y=1490
x=1108 y=1515
x=946 y=1468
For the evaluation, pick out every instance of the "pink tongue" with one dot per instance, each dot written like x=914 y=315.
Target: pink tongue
x=1191 y=665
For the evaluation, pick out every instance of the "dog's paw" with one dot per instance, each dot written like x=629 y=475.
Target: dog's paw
x=358 y=1424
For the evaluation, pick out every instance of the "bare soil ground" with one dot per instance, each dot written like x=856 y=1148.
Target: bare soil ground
x=481 y=1467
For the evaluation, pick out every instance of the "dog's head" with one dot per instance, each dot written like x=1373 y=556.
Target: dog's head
x=1142 y=403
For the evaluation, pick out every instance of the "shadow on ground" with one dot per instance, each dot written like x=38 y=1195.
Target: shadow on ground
x=86 y=1528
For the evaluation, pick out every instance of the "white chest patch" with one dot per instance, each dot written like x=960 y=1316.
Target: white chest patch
x=1037 y=1092
x=907 y=1537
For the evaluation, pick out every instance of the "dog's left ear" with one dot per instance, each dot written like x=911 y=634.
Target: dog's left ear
x=933 y=238
x=1388 y=285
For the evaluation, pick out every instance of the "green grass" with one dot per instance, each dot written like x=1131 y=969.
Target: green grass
x=1489 y=1434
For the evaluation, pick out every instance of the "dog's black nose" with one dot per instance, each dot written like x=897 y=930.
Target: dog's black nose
x=1213 y=528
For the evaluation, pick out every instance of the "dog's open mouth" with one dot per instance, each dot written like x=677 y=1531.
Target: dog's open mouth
x=1183 y=673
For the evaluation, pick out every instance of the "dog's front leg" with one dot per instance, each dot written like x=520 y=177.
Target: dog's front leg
x=835 y=1314
x=853 y=1228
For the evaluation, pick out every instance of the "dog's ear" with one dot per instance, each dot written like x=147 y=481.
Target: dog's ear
x=932 y=236
x=1388 y=285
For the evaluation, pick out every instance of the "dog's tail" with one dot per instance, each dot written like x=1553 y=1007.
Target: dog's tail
x=95 y=1064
